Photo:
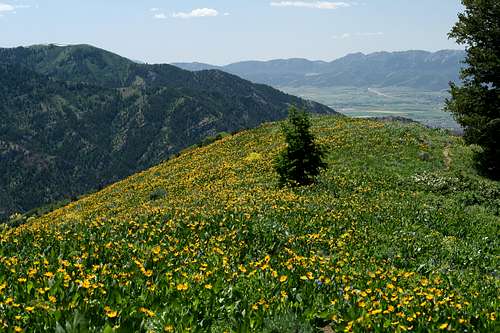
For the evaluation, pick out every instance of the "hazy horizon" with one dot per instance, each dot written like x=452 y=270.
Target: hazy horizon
x=220 y=32
x=318 y=60
x=243 y=60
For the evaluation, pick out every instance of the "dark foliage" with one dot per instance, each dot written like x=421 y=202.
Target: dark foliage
x=476 y=104
x=301 y=161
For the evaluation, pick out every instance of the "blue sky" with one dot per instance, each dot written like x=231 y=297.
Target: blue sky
x=224 y=31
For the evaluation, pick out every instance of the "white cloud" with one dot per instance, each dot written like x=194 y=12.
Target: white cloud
x=200 y=12
x=160 y=16
x=154 y=9
x=363 y=34
x=358 y=34
x=343 y=36
x=311 y=4
x=6 y=8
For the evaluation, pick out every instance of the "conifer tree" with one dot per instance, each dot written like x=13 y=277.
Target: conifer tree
x=302 y=159
x=476 y=104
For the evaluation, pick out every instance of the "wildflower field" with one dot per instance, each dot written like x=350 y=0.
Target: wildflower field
x=399 y=234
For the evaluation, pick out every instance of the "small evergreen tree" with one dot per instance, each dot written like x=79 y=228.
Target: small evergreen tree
x=301 y=161
x=476 y=104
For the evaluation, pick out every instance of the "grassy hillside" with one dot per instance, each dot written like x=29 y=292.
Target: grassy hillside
x=398 y=235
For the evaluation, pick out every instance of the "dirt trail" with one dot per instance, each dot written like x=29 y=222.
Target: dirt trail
x=447 y=157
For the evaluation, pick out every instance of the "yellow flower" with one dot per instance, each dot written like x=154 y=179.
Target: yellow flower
x=283 y=278
x=148 y=312
x=52 y=299
x=182 y=287
x=112 y=314
x=85 y=284
x=30 y=309
x=208 y=286
x=156 y=250
x=18 y=329
x=443 y=326
x=168 y=328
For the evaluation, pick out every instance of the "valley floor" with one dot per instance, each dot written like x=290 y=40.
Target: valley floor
x=425 y=107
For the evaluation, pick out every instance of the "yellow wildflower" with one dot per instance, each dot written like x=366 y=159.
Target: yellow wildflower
x=182 y=287
x=443 y=326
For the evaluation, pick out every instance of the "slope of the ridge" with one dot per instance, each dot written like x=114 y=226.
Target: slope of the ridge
x=77 y=63
x=396 y=235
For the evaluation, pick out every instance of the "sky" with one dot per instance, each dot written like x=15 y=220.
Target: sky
x=225 y=31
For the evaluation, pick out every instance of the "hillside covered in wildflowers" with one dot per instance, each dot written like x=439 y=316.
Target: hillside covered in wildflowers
x=397 y=235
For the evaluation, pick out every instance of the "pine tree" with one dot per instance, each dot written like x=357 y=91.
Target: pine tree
x=302 y=160
x=476 y=104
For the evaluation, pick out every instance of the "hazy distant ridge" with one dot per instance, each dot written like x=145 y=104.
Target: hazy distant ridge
x=414 y=69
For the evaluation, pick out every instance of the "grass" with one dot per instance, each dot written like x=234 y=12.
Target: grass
x=207 y=242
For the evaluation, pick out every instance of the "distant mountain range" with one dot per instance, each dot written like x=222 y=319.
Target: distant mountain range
x=414 y=69
x=76 y=118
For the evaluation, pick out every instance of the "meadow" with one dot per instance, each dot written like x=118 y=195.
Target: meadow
x=399 y=234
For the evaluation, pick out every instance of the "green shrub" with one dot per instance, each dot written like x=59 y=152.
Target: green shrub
x=211 y=139
x=302 y=159
x=157 y=194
